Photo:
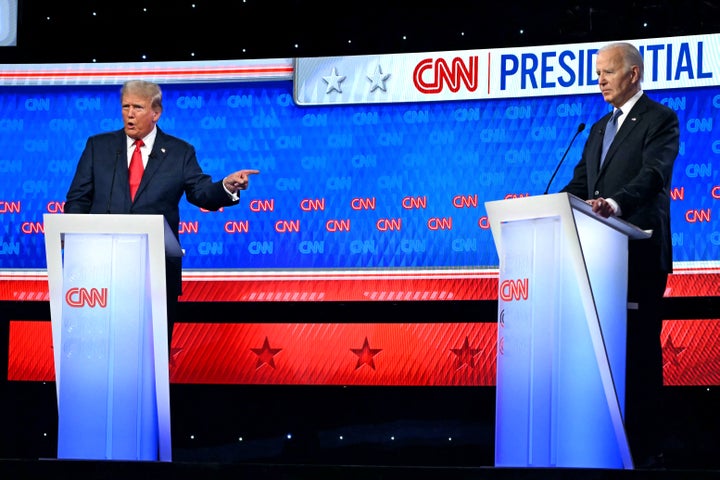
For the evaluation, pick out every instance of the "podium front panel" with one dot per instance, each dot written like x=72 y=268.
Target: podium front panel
x=104 y=402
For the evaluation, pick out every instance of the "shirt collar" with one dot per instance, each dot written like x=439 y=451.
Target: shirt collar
x=627 y=106
x=148 y=140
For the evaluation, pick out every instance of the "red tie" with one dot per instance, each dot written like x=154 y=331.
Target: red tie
x=136 y=169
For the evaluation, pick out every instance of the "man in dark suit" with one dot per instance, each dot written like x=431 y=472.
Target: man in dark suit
x=102 y=182
x=632 y=181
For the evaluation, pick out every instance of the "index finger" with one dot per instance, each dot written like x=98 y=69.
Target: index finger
x=249 y=172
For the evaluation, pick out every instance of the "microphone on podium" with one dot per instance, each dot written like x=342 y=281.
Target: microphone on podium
x=580 y=128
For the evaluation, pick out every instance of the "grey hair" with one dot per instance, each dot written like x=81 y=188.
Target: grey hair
x=144 y=89
x=630 y=55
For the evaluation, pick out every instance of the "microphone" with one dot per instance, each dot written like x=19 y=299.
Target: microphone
x=112 y=182
x=580 y=128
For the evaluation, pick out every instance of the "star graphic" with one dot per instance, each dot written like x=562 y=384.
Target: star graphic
x=465 y=355
x=334 y=80
x=378 y=79
x=671 y=353
x=265 y=354
x=365 y=355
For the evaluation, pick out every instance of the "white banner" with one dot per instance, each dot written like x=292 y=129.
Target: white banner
x=670 y=62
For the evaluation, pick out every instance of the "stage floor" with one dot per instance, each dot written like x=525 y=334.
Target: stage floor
x=110 y=470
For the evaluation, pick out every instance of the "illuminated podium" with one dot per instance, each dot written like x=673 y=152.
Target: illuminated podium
x=562 y=311
x=106 y=276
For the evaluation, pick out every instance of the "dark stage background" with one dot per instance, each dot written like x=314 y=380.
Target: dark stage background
x=360 y=425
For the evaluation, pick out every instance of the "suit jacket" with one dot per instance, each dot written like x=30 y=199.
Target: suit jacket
x=637 y=173
x=100 y=184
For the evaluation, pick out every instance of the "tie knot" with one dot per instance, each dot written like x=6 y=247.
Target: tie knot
x=615 y=116
x=139 y=143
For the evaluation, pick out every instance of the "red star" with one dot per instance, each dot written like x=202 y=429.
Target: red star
x=365 y=355
x=465 y=355
x=671 y=353
x=265 y=354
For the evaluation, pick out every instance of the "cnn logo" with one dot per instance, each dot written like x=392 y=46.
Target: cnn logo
x=84 y=297
x=514 y=289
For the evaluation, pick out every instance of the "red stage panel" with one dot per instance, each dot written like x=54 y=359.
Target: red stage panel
x=376 y=285
x=427 y=354
x=30 y=353
x=348 y=288
x=691 y=352
x=380 y=354
x=693 y=283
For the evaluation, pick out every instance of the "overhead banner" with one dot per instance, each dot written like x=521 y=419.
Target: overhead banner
x=681 y=62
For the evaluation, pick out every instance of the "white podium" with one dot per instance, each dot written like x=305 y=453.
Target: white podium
x=106 y=276
x=562 y=311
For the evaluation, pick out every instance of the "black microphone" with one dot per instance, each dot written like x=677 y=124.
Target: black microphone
x=112 y=182
x=580 y=128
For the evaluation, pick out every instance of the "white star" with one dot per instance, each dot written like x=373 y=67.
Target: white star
x=378 y=79
x=334 y=81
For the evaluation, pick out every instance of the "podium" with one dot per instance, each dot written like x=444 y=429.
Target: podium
x=106 y=276
x=562 y=312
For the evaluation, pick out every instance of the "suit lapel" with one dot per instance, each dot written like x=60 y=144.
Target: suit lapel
x=155 y=160
x=631 y=121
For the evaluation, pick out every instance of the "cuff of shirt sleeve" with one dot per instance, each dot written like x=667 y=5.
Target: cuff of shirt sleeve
x=615 y=206
x=235 y=196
